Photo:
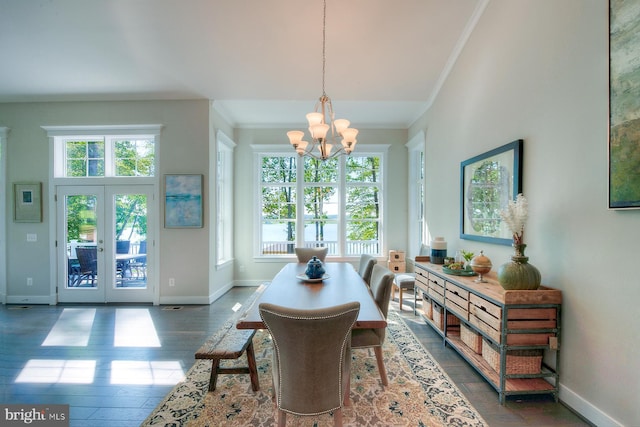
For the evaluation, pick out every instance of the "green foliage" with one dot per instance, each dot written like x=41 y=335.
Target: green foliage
x=278 y=202
x=131 y=215
x=363 y=204
x=80 y=216
x=134 y=158
x=467 y=255
x=489 y=184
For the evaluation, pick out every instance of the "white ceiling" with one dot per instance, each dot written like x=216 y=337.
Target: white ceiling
x=260 y=61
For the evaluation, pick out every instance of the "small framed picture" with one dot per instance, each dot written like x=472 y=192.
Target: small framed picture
x=27 y=202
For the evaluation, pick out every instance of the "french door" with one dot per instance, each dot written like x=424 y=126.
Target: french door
x=105 y=243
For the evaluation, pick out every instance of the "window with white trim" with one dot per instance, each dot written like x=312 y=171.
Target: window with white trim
x=94 y=151
x=337 y=203
x=224 y=198
x=417 y=225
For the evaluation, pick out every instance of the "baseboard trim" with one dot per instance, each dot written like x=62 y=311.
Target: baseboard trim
x=249 y=282
x=586 y=409
x=217 y=294
x=29 y=299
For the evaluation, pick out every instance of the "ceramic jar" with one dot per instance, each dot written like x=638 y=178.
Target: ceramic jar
x=519 y=274
x=481 y=264
x=438 y=250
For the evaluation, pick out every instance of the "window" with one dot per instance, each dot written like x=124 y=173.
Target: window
x=134 y=157
x=417 y=226
x=224 y=198
x=84 y=158
x=335 y=203
x=100 y=152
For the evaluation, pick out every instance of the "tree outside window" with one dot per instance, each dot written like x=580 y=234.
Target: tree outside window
x=340 y=206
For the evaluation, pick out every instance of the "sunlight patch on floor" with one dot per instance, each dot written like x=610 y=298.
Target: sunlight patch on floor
x=58 y=371
x=73 y=328
x=135 y=328
x=138 y=372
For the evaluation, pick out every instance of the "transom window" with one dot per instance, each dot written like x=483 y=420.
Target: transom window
x=306 y=202
x=88 y=151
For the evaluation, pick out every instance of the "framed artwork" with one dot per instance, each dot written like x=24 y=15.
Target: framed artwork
x=624 y=105
x=487 y=183
x=27 y=202
x=183 y=201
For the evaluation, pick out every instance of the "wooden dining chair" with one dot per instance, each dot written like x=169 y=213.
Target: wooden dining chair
x=366 y=267
x=305 y=254
x=311 y=358
x=381 y=283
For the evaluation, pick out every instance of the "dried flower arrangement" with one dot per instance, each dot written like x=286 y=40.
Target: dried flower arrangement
x=515 y=216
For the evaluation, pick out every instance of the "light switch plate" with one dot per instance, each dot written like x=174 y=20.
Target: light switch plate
x=32 y=237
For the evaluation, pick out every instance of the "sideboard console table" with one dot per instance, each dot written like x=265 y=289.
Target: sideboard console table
x=510 y=337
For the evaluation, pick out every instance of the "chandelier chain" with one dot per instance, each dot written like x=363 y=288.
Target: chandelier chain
x=324 y=42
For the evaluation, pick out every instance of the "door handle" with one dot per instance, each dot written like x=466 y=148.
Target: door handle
x=100 y=249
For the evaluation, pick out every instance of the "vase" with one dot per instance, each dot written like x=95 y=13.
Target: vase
x=519 y=274
x=438 y=250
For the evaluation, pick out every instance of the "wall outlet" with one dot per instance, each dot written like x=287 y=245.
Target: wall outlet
x=29 y=281
x=172 y=281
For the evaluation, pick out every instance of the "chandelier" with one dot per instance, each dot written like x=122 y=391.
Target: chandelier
x=330 y=137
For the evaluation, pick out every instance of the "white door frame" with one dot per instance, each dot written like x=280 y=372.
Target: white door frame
x=105 y=291
x=3 y=230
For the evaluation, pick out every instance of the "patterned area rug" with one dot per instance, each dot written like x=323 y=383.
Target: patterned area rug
x=419 y=392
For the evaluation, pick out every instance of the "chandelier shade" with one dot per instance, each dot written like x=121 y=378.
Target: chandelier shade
x=330 y=137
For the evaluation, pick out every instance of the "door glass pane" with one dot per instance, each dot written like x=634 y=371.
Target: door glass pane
x=131 y=240
x=81 y=218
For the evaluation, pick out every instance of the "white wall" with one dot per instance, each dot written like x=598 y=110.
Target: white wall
x=538 y=70
x=184 y=148
x=247 y=269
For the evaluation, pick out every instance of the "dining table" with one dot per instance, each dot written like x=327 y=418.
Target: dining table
x=340 y=284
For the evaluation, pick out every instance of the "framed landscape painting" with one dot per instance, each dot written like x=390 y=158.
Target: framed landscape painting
x=183 y=201
x=624 y=104
x=487 y=183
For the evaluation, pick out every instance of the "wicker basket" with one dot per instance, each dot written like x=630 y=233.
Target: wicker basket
x=518 y=361
x=437 y=312
x=471 y=338
x=427 y=307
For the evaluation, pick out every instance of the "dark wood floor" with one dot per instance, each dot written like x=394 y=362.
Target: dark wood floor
x=102 y=390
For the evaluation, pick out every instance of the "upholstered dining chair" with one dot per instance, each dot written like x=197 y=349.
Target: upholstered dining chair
x=366 y=267
x=305 y=254
x=311 y=358
x=381 y=282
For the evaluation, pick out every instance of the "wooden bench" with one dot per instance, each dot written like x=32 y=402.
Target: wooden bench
x=230 y=345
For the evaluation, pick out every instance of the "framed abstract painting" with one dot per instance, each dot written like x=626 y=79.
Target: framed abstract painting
x=183 y=201
x=624 y=105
